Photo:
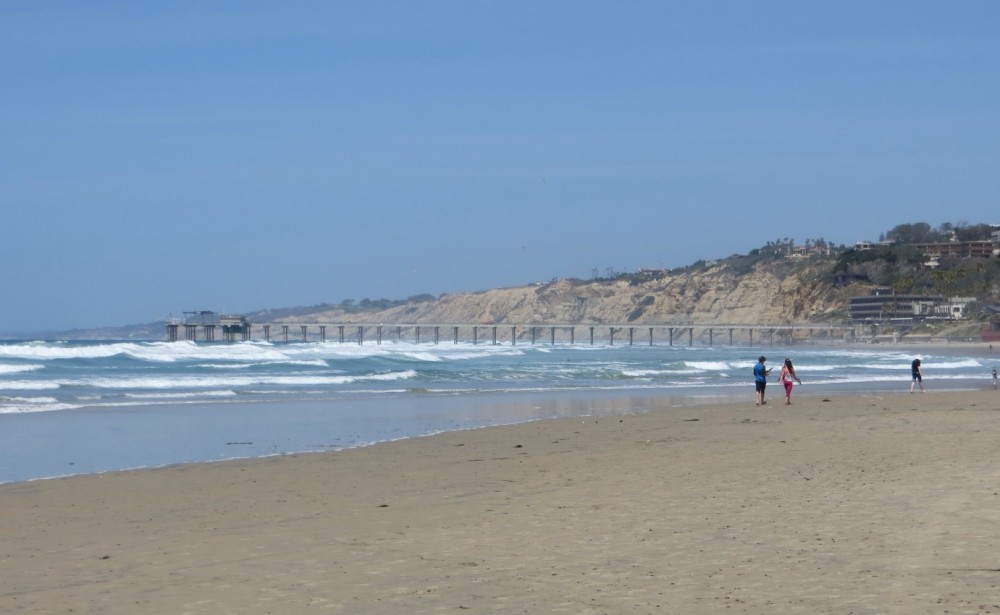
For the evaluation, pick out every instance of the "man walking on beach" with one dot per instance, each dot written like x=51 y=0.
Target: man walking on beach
x=917 y=375
x=760 y=374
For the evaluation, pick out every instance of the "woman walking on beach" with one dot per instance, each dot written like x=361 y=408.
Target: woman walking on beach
x=786 y=377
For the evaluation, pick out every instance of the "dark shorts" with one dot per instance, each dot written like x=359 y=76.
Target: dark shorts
x=760 y=386
x=917 y=376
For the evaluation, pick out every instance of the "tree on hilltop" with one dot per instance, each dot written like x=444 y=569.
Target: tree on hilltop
x=919 y=232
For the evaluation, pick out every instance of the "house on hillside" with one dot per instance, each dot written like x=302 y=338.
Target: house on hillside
x=961 y=249
x=956 y=308
x=883 y=305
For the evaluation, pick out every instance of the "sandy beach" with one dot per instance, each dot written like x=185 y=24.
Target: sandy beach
x=851 y=504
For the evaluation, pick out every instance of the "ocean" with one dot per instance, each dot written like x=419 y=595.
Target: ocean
x=70 y=407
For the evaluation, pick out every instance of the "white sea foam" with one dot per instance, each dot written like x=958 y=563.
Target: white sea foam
x=180 y=395
x=19 y=369
x=27 y=385
x=649 y=373
x=43 y=351
x=331 y=352
x=148 y=351
x=33 y=407
x=17 y=405
x=641 y=373
x=290 y=362
x=205 y=382
x=717 y=366
x=452 y=355
x=807 y=367
x=28 y=400
x=422 y=356
x=945 y=364
x=189 y=351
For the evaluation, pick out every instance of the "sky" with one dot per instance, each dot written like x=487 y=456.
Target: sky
x=162 y=157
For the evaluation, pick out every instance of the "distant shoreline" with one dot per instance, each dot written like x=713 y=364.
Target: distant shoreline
x=936 y=345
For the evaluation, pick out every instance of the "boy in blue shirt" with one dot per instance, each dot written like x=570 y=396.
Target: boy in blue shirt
x=760 y=374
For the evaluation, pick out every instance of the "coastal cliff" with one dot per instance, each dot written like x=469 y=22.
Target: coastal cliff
x=731 y=291
x=780 y=283
x=776 y=292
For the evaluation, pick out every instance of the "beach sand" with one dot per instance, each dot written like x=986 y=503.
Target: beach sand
x=849 y=504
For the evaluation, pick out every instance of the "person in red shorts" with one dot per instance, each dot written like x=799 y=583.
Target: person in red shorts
x=786 y=377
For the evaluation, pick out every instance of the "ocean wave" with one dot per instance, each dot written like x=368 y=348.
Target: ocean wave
x=717 y=366
x=968 y=363
x=191 y=382
x=47 y=351
x=27 y=400
x=181 y=371
x=171 y=352
x=241 y=366
x=19 y=405
x=180 y=395
x=19 y=369
x=642 y=373
x=27 y=385
x=159 y=352
x=652 y=373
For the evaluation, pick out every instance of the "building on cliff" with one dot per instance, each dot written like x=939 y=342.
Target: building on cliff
x=884 y=306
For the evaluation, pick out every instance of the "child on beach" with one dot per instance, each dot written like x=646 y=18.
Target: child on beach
x=994 y=378
x=786 y=377
x=760 y=374
x=916 y=375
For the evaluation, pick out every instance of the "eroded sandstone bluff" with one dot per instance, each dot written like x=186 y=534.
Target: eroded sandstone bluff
x=780 y=292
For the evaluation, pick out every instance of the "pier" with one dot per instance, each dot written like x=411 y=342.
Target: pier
x=232 y=328
x=235 y=328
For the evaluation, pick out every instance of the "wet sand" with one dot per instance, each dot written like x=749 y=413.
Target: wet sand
x=852 y=504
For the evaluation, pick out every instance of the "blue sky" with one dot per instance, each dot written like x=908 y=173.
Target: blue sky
x=232 y=156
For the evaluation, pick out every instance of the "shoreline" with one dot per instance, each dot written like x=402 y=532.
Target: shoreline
x=259 y=429
x=864 y=503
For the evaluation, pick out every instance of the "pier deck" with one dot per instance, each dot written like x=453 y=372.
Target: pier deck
x=496 y=333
